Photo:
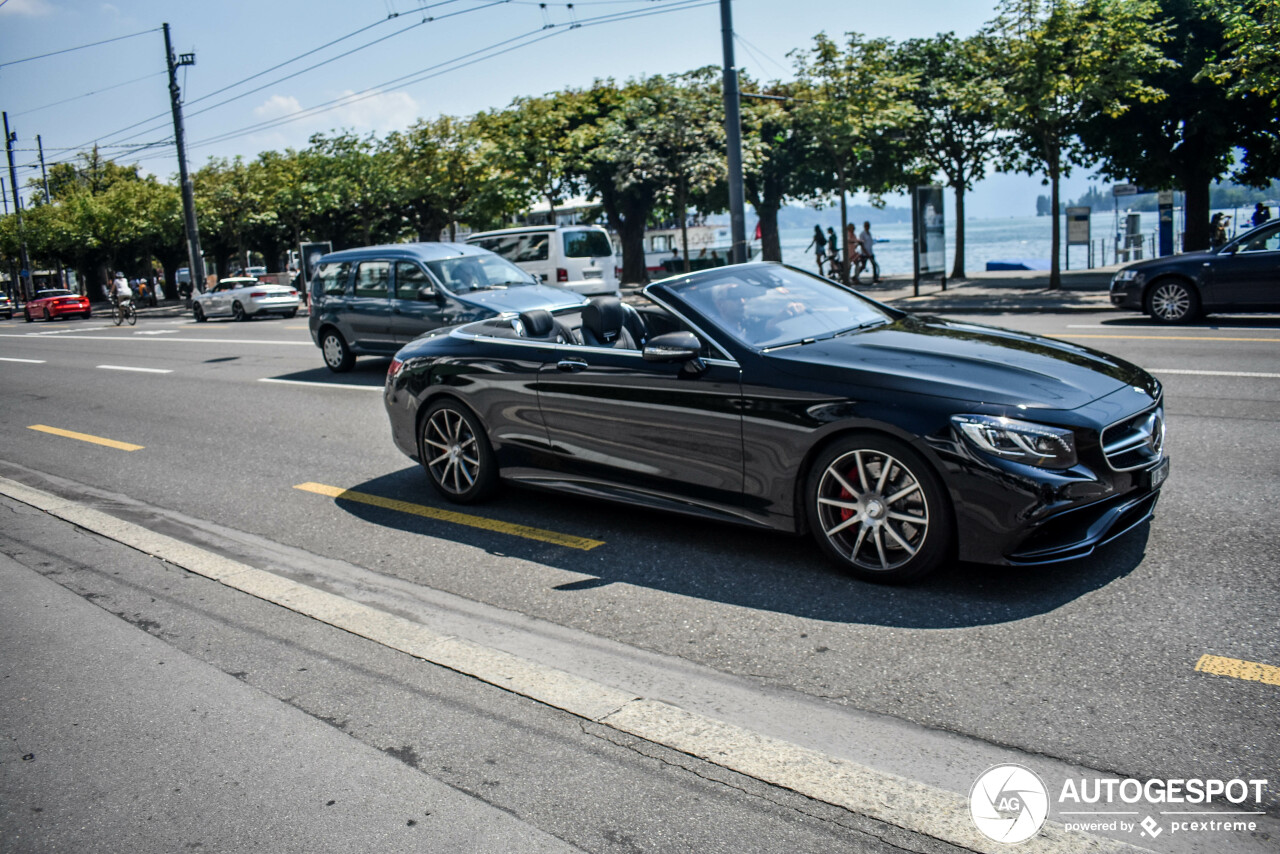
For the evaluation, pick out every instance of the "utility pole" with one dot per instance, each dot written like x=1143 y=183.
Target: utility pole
x=24 y=276
x=48 y=199
x=196 y=257
x=733 y=139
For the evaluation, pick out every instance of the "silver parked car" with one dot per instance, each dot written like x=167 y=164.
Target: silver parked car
x=243 y=298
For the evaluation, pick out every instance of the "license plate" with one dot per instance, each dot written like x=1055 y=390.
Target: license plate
x=1160 y=473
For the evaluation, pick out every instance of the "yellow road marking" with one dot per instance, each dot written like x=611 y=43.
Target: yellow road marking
x=528 y=533
x=1237 y=669
x=85 y=437
x=1170 y=338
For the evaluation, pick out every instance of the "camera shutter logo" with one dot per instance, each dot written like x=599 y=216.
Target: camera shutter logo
x=1009 y=803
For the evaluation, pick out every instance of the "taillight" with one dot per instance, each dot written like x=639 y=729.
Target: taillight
x=257 y=294
x=562 y=275
x=394 y=370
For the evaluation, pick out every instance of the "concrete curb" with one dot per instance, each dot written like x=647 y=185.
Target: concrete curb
x=903 y=803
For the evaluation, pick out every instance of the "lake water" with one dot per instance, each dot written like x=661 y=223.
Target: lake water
x=985 y=240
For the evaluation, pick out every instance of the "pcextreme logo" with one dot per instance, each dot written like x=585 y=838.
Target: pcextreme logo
x=1009 y=803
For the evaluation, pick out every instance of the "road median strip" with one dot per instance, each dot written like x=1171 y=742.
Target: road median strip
x=1236 y=668
x=912 y=806
x=85 y=437
x=553 y=537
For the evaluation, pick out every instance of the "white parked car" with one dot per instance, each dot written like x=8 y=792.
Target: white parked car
x=244 y=297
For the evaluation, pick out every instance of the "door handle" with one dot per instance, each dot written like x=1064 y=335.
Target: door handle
x=571 y=366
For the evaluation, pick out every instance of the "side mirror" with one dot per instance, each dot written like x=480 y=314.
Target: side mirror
x=673 y=347
x=427 y=293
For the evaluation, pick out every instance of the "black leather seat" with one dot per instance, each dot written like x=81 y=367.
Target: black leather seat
x=604 y=324
x=540 y=325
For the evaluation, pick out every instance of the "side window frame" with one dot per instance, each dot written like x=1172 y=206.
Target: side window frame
x=323 y=287
x=385 y=291
x=427 y=280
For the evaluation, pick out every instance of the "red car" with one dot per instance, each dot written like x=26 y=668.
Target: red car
x=55 y=303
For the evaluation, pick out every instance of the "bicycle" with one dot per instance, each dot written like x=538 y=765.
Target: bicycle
x=122 y=311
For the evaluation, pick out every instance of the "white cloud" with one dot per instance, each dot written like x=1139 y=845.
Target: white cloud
x=30 y=8
x=382 y=112
x=276 y=107
x=110 y=9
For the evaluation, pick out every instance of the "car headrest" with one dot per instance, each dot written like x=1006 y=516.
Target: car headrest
x=604 y=317
x=537 y=323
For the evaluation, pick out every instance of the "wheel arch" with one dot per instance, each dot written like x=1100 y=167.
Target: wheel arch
x=1176 y=276
x=887 y=431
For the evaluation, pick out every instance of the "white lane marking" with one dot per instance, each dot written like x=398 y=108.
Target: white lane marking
x=1150 y=328
x=319 y=385
x=158 y=332
x=179 y=340
x=1247 y=374
x=139 y=370
x=27 y=361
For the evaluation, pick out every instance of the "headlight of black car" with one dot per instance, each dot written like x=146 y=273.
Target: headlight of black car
x=1022 y=441
x=1124 y=276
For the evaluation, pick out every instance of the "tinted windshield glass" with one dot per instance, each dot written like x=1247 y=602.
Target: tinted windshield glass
x=772 y=305
x=586 y=244
x=478 y=272
x=516 y=247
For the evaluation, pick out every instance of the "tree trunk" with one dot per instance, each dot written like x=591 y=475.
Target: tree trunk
x=1055 y=272
x=957 y=267
x=682 y=212
x=1196 y=212
x=770 y=240
x=631 y=233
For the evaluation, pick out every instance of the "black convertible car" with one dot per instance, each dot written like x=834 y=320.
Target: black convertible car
x=763 y=395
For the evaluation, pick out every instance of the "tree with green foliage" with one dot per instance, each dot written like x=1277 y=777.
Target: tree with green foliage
x=851 y=99
x=1188 y=140
x=1060 y=63
x=956 y=99
x=530 y=143
x=1251 y=62
x=355 y=190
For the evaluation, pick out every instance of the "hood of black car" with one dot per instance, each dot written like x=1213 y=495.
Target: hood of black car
x=963 y=361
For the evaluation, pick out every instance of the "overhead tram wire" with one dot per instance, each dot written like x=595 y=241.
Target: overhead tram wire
x=78 y=47
x=454 y=64
x=163 y=117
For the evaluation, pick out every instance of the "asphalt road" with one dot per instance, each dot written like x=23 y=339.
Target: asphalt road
x=1091 y=662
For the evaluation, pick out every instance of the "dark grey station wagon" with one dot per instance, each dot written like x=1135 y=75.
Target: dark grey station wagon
x=373 y=300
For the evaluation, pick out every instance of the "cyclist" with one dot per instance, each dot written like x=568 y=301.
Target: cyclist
x=120 y=290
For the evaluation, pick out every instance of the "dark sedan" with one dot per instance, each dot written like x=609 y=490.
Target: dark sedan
x=1242 y=275
x=763 y=395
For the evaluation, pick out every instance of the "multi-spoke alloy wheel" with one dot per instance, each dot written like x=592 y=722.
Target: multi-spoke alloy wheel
x=1173 y=302
x=876 y=507
x=456 y=453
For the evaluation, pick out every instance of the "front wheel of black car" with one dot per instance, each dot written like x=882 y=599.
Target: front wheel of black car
x=878 y=509
x=1172 y=301
x=456 y=453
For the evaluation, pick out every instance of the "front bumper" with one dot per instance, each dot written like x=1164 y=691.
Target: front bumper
x=1127 y=293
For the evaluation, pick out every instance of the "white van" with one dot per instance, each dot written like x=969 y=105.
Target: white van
x=577 y=257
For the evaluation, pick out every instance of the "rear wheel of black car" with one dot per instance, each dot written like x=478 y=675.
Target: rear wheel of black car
x=337 y=354
x=877 y=508
x=1173 y=301
x=456 y=453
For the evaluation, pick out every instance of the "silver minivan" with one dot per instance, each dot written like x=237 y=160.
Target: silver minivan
x=577 y=257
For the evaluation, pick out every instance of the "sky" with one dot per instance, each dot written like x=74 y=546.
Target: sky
x=269 y=74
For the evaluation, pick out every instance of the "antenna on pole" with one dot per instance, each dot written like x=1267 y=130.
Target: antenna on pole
x=196 y=257
x=733 y=140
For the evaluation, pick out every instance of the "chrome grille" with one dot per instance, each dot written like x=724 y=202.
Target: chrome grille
x=1136 y=442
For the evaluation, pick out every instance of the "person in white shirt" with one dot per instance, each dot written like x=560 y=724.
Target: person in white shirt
x=869 y=252
x=120 y=290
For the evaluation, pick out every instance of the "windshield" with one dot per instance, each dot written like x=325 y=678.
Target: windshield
x=588 y=243
x=771 y=305
x=478 y=272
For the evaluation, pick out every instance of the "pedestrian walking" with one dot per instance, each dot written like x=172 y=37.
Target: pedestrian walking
x=833 y=253
x=868 y=251
x=1261 y=214
x=819 y=246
